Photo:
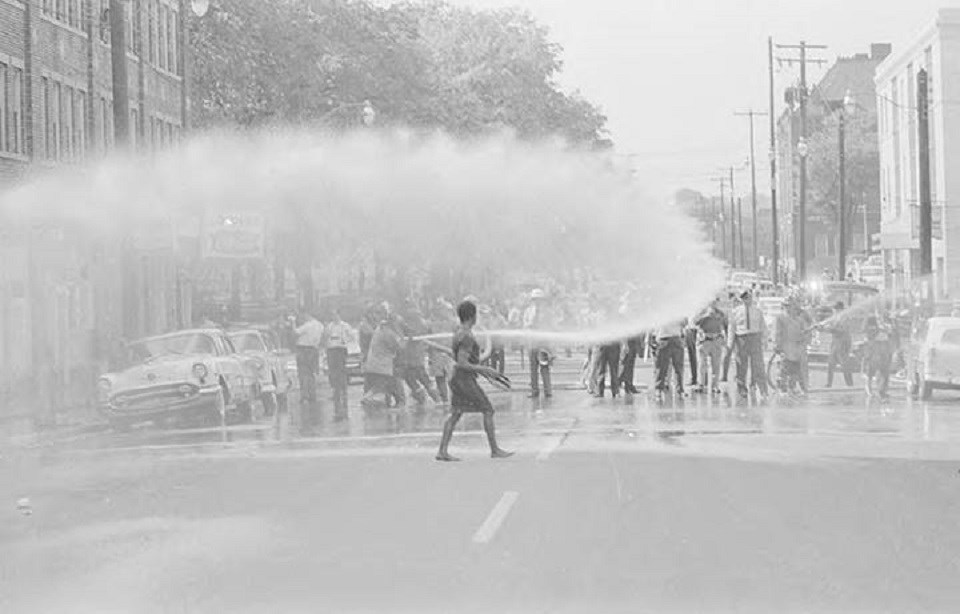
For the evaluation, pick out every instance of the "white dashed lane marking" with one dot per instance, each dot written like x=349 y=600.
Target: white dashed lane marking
x=497 y=515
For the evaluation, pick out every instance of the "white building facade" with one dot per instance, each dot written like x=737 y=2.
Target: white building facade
x=936 y=50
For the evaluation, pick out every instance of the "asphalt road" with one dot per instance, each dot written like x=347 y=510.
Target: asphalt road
x=825 y=504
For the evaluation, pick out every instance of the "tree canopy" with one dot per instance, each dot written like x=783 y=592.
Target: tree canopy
x=421 y=65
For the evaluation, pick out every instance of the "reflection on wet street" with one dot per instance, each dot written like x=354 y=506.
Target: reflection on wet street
x=847 y=412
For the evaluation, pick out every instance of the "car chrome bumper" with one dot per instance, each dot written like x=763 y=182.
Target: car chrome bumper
x=205 y=399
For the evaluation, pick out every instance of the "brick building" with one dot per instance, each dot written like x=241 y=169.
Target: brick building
x=67 y=295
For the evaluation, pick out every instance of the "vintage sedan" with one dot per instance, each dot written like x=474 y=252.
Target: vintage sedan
x=934 y=358
x=270 y=361
x=192 y=374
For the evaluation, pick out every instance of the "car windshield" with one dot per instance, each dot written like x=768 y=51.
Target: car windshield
x=248 y=342
x=951 y=337
x=190 y=343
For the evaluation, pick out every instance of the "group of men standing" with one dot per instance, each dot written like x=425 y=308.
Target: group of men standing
x=710 y=340
x=334 y=338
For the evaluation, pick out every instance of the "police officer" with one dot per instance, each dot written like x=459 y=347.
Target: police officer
x=746 y=334
x=536 y=317
x=711 y=326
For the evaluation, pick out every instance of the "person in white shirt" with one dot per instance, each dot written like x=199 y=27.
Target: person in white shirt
x=670 y=349
x=337 y=338
x=746 y=334
x=309 y=336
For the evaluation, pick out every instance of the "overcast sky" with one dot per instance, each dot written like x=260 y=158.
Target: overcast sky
x=670 y=73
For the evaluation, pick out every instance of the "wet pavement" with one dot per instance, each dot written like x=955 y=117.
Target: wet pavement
x=829 y=503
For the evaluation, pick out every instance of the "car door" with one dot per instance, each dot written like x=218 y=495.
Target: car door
x=231 y=370
x=273 y=356
x=246 y=371
x=945 y=356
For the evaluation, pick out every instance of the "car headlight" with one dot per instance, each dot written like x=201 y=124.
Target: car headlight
x=200 y=371
x=104 y=386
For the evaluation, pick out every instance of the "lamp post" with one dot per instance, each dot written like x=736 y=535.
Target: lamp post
x=802 y=151
x=847 y=107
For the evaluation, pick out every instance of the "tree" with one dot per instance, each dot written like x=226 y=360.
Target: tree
x=862 y=165
x=424 y=66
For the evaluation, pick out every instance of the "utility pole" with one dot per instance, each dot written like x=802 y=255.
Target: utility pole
x=753 y=183
x=842 y=207
x=773 y=169
x=733 y=224
x=802 y=211
x=743 y=260
x=926 y=205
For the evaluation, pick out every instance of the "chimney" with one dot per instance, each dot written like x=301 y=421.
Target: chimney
x=879 y=51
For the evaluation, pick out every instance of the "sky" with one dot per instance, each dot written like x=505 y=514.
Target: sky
x=670 y=74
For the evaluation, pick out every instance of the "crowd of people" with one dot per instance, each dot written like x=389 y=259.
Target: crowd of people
x=404 y=349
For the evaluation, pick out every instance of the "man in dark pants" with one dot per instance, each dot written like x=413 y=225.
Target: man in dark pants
x=747 y=332
x=309 y=335
x=610 y=366
x=670 y=349
x=634 y=347
x=337 y=336
x=690 y=340
x=841 y=343
x=537 y=317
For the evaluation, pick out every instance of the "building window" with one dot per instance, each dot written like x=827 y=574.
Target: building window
x=80 y=125
x=163 y=36
x=4 y=103
x=152 y=31
x=172 y=31
x=105 y=21
x=55 y=124
x=67 y=122
x=15 y=113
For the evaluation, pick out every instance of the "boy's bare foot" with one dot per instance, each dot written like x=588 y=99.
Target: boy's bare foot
x=501 y=454
x=446 y=458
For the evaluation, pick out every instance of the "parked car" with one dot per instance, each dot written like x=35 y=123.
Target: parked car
x=771 y=307
x=270 y=361
x=934 y=357
x=857 y=300
x=191 y=374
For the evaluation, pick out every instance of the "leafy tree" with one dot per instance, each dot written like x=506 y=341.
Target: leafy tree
x=425 y=66
x=862 y=164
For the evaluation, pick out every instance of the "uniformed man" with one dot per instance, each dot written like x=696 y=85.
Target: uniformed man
x=745 y=335
x=711 y=327
x=536 y=317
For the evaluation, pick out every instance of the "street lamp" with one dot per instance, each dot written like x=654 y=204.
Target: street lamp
x=847 y=107
x=369 y=114
x=199 y=7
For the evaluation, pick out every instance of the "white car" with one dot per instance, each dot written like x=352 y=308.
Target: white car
x=936 y=359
